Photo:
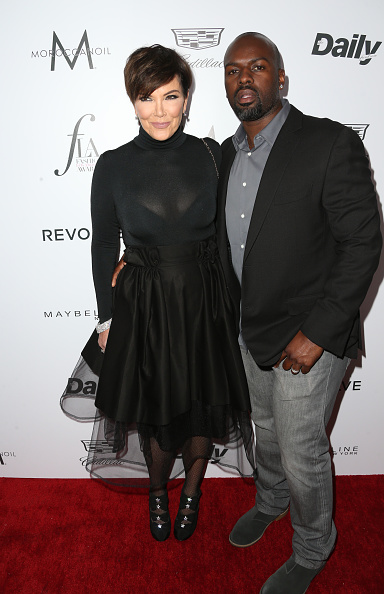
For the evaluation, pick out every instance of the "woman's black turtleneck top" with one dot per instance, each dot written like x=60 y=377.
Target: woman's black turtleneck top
x=155 y=193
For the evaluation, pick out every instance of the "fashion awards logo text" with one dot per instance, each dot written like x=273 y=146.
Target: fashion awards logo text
x=359 y=47
x=83 y=147
x=70 y=55
x=199 y=39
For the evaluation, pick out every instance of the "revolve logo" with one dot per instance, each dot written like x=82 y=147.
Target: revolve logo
x=70 y=55
x=86 y=151
x=66 y=234
x=359 y=47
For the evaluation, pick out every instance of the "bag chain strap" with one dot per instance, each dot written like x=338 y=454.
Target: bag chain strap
x=213 y=158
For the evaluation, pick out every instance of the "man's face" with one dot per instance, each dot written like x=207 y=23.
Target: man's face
x=252 y=78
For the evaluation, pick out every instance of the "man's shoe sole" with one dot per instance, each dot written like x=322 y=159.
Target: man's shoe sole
x=249 y=544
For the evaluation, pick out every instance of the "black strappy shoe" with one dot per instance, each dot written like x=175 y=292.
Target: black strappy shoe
x=159 y=518
x=187 y=515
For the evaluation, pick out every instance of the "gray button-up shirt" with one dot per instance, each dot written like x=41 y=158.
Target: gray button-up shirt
x=244 y=181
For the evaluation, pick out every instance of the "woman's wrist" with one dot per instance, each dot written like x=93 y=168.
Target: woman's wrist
x=104 y=326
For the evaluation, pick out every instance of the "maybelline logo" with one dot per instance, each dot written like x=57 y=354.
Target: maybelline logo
x=71 y=55
x=84 y=147
x=346 y=451
x=360 y=129
x=199 y=39
x=5 y=455
x=359 y=47
x=65 y=234
x=76 y=313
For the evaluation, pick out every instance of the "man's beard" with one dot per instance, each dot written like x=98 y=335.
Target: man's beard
x=250 y=114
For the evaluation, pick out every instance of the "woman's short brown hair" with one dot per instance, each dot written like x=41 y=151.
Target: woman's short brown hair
x=149 y=68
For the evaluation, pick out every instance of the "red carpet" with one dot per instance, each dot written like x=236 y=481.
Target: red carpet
x=77 y=536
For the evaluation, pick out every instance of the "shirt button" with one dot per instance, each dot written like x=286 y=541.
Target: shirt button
x=242 y=215
x=242 y=246
x=244 y=184
x=249 y=154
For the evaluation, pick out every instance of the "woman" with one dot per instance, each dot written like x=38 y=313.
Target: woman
x=171 y=369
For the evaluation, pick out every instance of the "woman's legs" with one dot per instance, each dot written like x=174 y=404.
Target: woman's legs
x=158 y=463
x=195 y=453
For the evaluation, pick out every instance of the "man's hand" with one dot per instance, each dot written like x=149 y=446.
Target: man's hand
x=300 y=354
x=116 y=272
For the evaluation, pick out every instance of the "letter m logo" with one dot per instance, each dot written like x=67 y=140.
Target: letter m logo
x=71 y=63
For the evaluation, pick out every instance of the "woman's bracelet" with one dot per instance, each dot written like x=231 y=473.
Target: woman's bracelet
x=104 y=326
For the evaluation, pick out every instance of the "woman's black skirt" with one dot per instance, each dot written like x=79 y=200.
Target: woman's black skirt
x=171 y=373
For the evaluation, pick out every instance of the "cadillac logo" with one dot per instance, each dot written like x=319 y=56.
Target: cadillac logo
x=97 y=446
x=197 y=39
x=360 y=129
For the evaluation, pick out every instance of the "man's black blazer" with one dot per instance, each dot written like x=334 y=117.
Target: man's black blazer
x=313 y=243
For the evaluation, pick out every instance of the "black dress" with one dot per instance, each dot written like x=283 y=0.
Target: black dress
x=172 y=369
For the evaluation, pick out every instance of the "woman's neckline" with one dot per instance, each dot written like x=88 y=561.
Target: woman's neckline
x=145 y=140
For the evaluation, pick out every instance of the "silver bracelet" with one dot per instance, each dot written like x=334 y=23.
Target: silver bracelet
x=104 y=326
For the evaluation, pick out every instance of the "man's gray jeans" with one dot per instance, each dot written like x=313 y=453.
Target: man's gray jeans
x=291 y=413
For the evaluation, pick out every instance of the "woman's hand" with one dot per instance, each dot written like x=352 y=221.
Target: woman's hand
x=103 y=337
x=119 y=267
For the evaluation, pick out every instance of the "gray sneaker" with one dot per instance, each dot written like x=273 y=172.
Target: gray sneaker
x=251 y=527
x=290 y=578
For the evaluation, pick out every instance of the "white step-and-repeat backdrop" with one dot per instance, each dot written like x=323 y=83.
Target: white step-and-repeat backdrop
x=64 y=103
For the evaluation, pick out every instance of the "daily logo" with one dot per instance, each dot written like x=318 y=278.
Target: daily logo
x=84 y=148
x=197 y=39
x=70 y=55
x=359 y=47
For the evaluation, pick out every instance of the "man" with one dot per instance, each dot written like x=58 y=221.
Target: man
x=298 y=226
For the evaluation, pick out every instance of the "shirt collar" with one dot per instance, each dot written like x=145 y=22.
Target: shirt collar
x=269 y=133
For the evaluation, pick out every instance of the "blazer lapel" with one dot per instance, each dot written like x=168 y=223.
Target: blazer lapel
x=273 y=173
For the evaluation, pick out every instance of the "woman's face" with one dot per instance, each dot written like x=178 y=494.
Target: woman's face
x=160 y=114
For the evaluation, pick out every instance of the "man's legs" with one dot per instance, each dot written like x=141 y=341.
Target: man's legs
x=293 y=461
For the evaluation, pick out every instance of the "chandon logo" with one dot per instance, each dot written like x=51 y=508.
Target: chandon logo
x=359 y=47
x=86 y=152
